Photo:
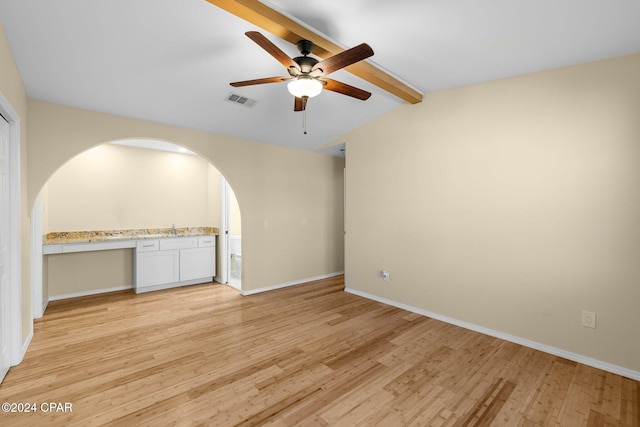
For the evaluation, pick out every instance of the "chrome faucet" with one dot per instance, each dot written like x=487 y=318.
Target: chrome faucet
x=173 y=229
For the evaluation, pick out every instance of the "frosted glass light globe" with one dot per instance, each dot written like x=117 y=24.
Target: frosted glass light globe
x=304 y=87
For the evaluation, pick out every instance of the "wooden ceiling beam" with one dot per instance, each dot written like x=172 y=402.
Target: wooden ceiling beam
x=276 y=23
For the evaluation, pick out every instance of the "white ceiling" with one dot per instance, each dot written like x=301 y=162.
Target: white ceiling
x=171 y=61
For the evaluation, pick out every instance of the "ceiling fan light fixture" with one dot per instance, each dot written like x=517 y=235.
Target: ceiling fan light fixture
x=305 y=71
x=305 y=87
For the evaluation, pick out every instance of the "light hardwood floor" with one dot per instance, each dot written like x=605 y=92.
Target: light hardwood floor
x=306 y=355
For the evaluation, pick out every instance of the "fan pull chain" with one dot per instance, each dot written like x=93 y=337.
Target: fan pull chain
x=304 y=120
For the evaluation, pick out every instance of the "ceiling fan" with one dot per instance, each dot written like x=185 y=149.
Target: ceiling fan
x=306 y=74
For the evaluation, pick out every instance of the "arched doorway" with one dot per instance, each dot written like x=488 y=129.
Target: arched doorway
x=125 y=184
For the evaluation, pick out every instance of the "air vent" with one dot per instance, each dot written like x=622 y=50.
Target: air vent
x=238 y=99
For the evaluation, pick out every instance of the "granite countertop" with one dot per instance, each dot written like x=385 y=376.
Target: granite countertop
x=60 y=237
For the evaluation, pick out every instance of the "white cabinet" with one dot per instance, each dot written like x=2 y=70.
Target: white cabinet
x=173 y=261
x=206 y=241
x=200 y=261
x=178 y=243
x=147 y=245
x=157 y=268
x=196 y=263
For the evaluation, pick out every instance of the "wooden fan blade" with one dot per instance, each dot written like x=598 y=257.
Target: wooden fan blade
x=260 y=81
x=344 y=59
x=300 y=104
x=272 y=49
x=345 y=89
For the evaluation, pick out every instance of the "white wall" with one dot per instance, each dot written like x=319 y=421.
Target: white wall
x=511 y=205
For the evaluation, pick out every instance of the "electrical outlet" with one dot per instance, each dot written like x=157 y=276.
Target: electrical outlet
x=385 y=275
x=589 y=319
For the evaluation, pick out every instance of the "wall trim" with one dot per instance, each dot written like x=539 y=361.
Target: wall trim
x=605 y=366
x=170 y=285
x=25 y=346
x=36 y=259
x=287 y=284
x=87 y=293
x=14 y=264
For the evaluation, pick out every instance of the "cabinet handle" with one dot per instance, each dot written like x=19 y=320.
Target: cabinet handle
x=148 y=246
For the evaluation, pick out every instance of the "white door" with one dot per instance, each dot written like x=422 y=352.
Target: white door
x=4 y=250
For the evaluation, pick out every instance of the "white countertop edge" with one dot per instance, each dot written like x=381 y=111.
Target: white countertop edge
x=103 y=245
x=63 y=248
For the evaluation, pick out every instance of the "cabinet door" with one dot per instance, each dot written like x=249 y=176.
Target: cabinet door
x=157 y=268
x=197 y=263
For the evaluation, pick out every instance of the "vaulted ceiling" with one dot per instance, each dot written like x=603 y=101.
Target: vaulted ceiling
x=171 y=61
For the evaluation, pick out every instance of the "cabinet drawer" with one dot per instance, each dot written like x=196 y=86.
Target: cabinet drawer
x=147 y=245
x=178 y=243
x=206 y=241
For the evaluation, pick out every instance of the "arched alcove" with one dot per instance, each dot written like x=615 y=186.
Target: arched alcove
x=122 y=185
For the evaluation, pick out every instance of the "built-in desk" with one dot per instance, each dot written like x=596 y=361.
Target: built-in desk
x=162 y=258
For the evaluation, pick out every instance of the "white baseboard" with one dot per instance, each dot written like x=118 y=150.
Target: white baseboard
x=24 y=348
x=287 y=284
x=93 y=292
x=39 y=311
x=44 y=307
x=605 y=366
x=140 y=290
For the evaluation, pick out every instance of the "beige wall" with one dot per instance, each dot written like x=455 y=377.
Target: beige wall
x=86 y=272
x=12 y=88
x=214 y=197
x=299 y=193
x=235 y=217
x=114 y=187
x=512 y=205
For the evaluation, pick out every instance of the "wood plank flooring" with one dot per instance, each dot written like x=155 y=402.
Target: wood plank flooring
x=310 y=355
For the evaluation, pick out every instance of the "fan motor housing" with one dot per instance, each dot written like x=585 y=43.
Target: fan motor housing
x=306 y=63
x=305 y=47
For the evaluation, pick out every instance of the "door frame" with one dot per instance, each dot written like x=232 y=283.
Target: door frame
x=224 y=231
x=38 y=305
x=14 y=327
